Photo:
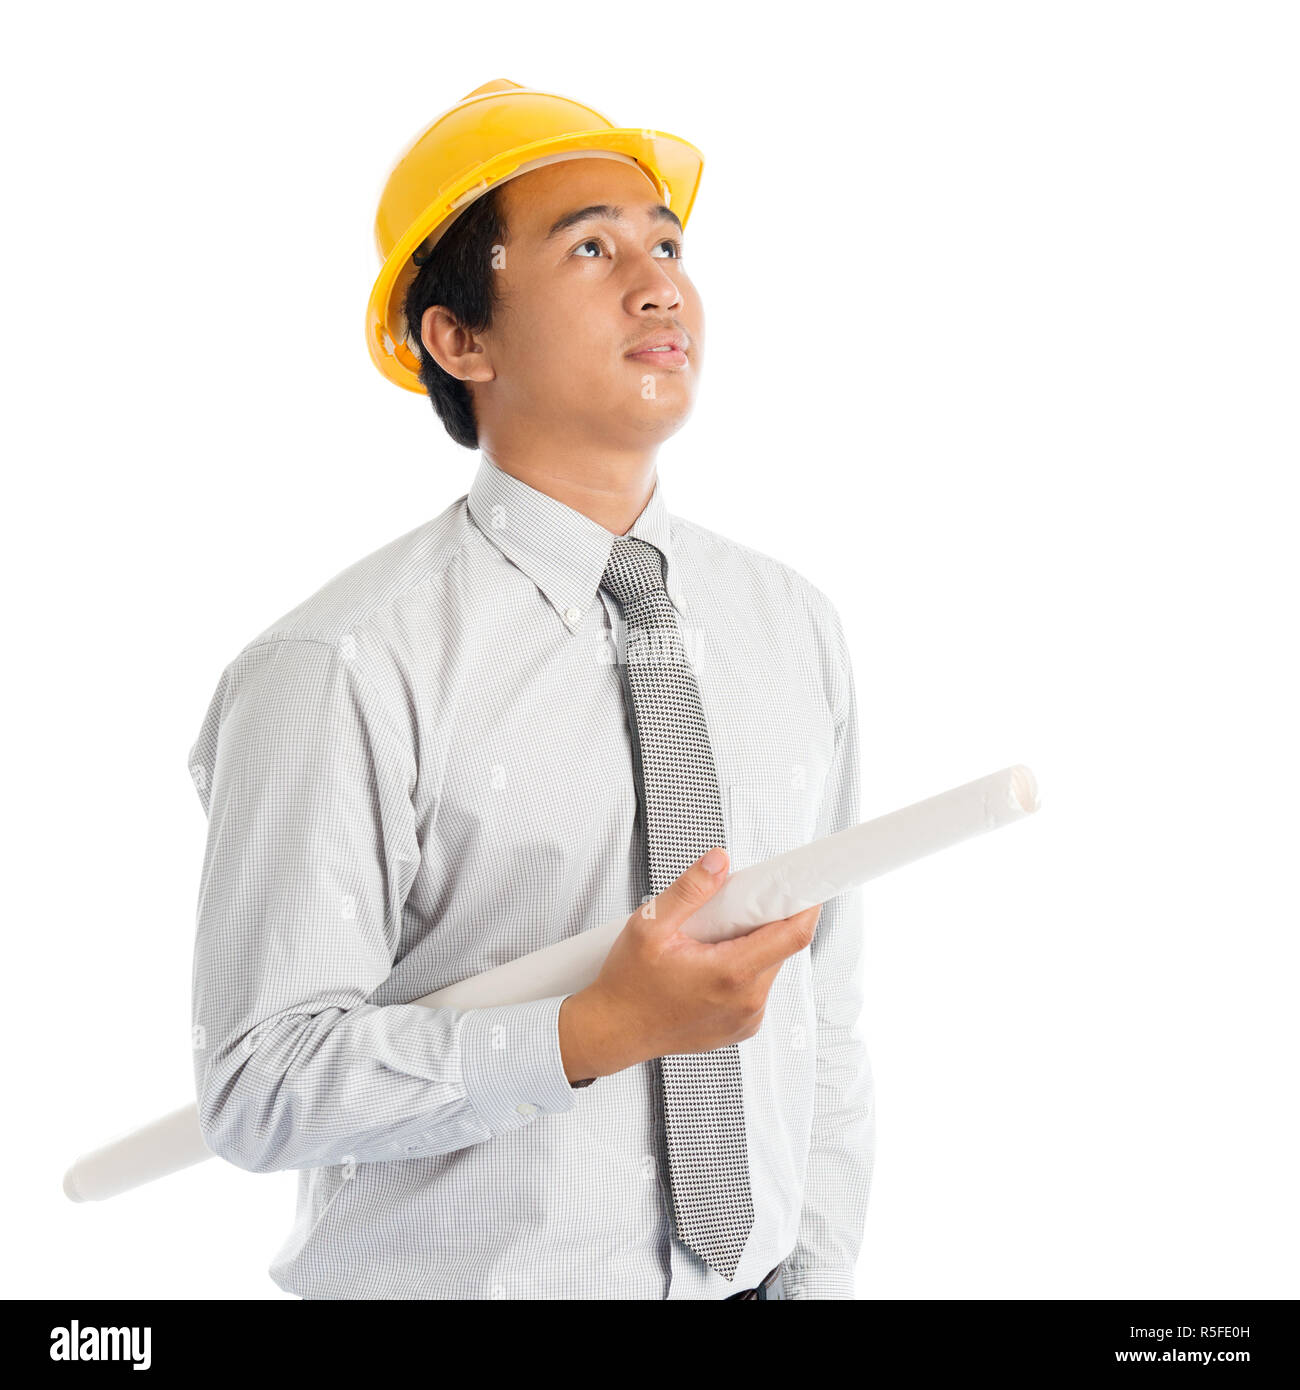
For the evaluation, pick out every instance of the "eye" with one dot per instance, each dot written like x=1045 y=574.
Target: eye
x=601 y=245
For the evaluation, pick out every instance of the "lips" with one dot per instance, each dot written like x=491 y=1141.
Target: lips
x=663 y=357
x=662 y=349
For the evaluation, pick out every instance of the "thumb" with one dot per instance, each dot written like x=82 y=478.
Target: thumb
x=689 y=892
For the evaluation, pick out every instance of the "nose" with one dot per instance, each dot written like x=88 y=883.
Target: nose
x=657 y=291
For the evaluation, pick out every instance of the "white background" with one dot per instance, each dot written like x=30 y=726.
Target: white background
x=1002 y=307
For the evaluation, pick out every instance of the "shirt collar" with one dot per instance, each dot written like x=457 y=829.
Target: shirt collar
x=562 y=550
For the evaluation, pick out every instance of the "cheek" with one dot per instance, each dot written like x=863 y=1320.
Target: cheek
x=552 y=364
x=580 y=362
x=568 y=342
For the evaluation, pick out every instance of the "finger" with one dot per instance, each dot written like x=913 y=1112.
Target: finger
x=686 y=894
x=771 y=944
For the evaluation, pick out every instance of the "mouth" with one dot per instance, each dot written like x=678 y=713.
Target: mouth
x=665 y=356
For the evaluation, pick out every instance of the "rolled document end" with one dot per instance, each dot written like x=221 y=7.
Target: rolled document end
x=824 y=868
x=1024 y=788
x=169 y=1144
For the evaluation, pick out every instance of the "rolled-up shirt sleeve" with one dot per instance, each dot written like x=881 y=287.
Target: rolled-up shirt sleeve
x=306 y=780
x=842 y=1150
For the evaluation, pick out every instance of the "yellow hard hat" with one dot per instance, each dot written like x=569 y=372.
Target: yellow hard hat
x=498 y=131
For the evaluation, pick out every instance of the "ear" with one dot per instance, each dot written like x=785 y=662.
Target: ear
x=453 y=347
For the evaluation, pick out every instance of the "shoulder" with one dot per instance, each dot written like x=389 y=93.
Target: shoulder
x=373 y=613
x=775 y=578
x=783 y=591
x=373 y=587
x=339 y=654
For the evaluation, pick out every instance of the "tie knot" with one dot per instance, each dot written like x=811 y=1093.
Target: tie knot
x=635 y=569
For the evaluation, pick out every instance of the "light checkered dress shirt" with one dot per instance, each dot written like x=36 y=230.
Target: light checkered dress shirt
x=424 y=770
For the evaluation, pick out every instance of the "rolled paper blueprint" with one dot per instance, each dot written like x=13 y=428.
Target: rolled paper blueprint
x=169 y=1144
x=764 y=892
x=767 y=891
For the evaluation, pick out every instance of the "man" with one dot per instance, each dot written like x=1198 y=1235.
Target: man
x=531 y=714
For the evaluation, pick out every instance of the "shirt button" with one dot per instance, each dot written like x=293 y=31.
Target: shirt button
x=571 y=615
x=527 y=1110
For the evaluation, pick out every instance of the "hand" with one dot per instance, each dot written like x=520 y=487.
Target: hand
x=660 y=991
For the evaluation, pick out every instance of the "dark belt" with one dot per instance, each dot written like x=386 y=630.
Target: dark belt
x=760 y=1292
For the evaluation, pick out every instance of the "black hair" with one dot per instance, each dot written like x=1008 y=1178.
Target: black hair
x=458 y=274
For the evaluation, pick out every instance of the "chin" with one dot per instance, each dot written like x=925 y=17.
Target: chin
x=662 y=423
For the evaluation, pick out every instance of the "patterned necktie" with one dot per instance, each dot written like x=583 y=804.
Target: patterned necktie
x=703 y=1107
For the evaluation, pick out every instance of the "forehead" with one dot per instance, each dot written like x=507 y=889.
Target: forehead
x=534 y=201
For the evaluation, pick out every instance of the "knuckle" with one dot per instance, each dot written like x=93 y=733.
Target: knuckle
x=733 y=979
x=751 y=1000
x=690 y=887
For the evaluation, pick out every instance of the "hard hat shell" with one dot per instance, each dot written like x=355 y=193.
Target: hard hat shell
x=498 y=131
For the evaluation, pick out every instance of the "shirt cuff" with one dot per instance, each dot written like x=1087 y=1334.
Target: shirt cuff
x=817 y=1283
x=512 y=1065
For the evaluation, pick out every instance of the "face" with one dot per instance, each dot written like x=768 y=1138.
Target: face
x=579 y=295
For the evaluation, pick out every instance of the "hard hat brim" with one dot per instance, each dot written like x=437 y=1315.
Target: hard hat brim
x=674 y=166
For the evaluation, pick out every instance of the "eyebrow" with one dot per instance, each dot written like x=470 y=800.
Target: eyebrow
x=611 y=213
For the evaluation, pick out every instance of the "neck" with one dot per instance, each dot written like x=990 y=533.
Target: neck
x=610 y=488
